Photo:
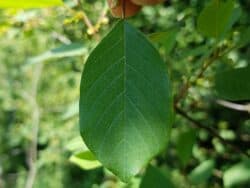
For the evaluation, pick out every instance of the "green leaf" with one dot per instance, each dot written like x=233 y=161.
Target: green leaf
x=76 y=145
x=69 y=50
x=217 y=18
x=125 y=102
x=184 y=146
x=233 y=84
x=154 y=178
x=86 y=160
x=167 y=39
x=71 y=111
x=29 y=3
x=237 y=175
x=244 y=37
x=202 y=172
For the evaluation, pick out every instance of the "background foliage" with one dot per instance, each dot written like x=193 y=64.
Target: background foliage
x=41 y=59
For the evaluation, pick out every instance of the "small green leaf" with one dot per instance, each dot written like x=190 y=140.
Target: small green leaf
x=76 y=145
x=125 y=102
x=202 y=172
x=69 y=50
x=86 y=160
x=29 y=3
x=154 y=178
x=233 y=84
x=71 y=111
x=217 y=18
x=237 y=175
x=167 y=39
x=244 y=37
x=184 y=146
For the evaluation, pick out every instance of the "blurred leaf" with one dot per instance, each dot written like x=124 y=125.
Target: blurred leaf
x=154 y=178
x=184 y=146
x=237 y=175
x=76 y=145
x=217 y=18
x=71 y=111
x=233 y=84
x=29 y=3
x=122 y=117
x=167 y=39
x=86 y=160
x=69 y=50
x=200 y=50
x=244 y=37
x=202 y=172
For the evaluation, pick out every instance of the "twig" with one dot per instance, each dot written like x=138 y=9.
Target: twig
x=234 y=106
x=102 y=16
x=184 y=89
x=210 y=130
x=85 y=18
x=32 y=152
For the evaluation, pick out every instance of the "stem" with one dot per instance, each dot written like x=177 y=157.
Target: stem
x=32 y=151
x=184 y=89
x=85 y=18
x=123 y=9
x=210 y=130
x=234 y=106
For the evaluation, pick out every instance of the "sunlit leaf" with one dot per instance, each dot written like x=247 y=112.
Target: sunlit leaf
x=29 y=3
x=202 y=172
x=86 y=160
x=237 y=175
x=125 y=102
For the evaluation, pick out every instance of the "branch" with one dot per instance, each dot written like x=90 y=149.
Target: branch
x=234 y=106
x=210 y=130
x=210 y=60
x=32 y=151
x=86 y=19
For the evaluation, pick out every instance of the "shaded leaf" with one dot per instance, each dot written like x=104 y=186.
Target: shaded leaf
x=125 y=102
x=237 y=175
x=86 y=160
x=167 y=39
x=233 y=84
x=184 y=146
x=156 y=179
x=217 y=18
x=244 y=37
x=202 y=172
x=29 y=3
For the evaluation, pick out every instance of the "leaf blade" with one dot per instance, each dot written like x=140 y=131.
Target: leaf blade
x=30 y=3
x=117 y=98
x=233 y=84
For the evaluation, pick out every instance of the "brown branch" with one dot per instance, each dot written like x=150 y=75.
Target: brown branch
x=210 y=130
